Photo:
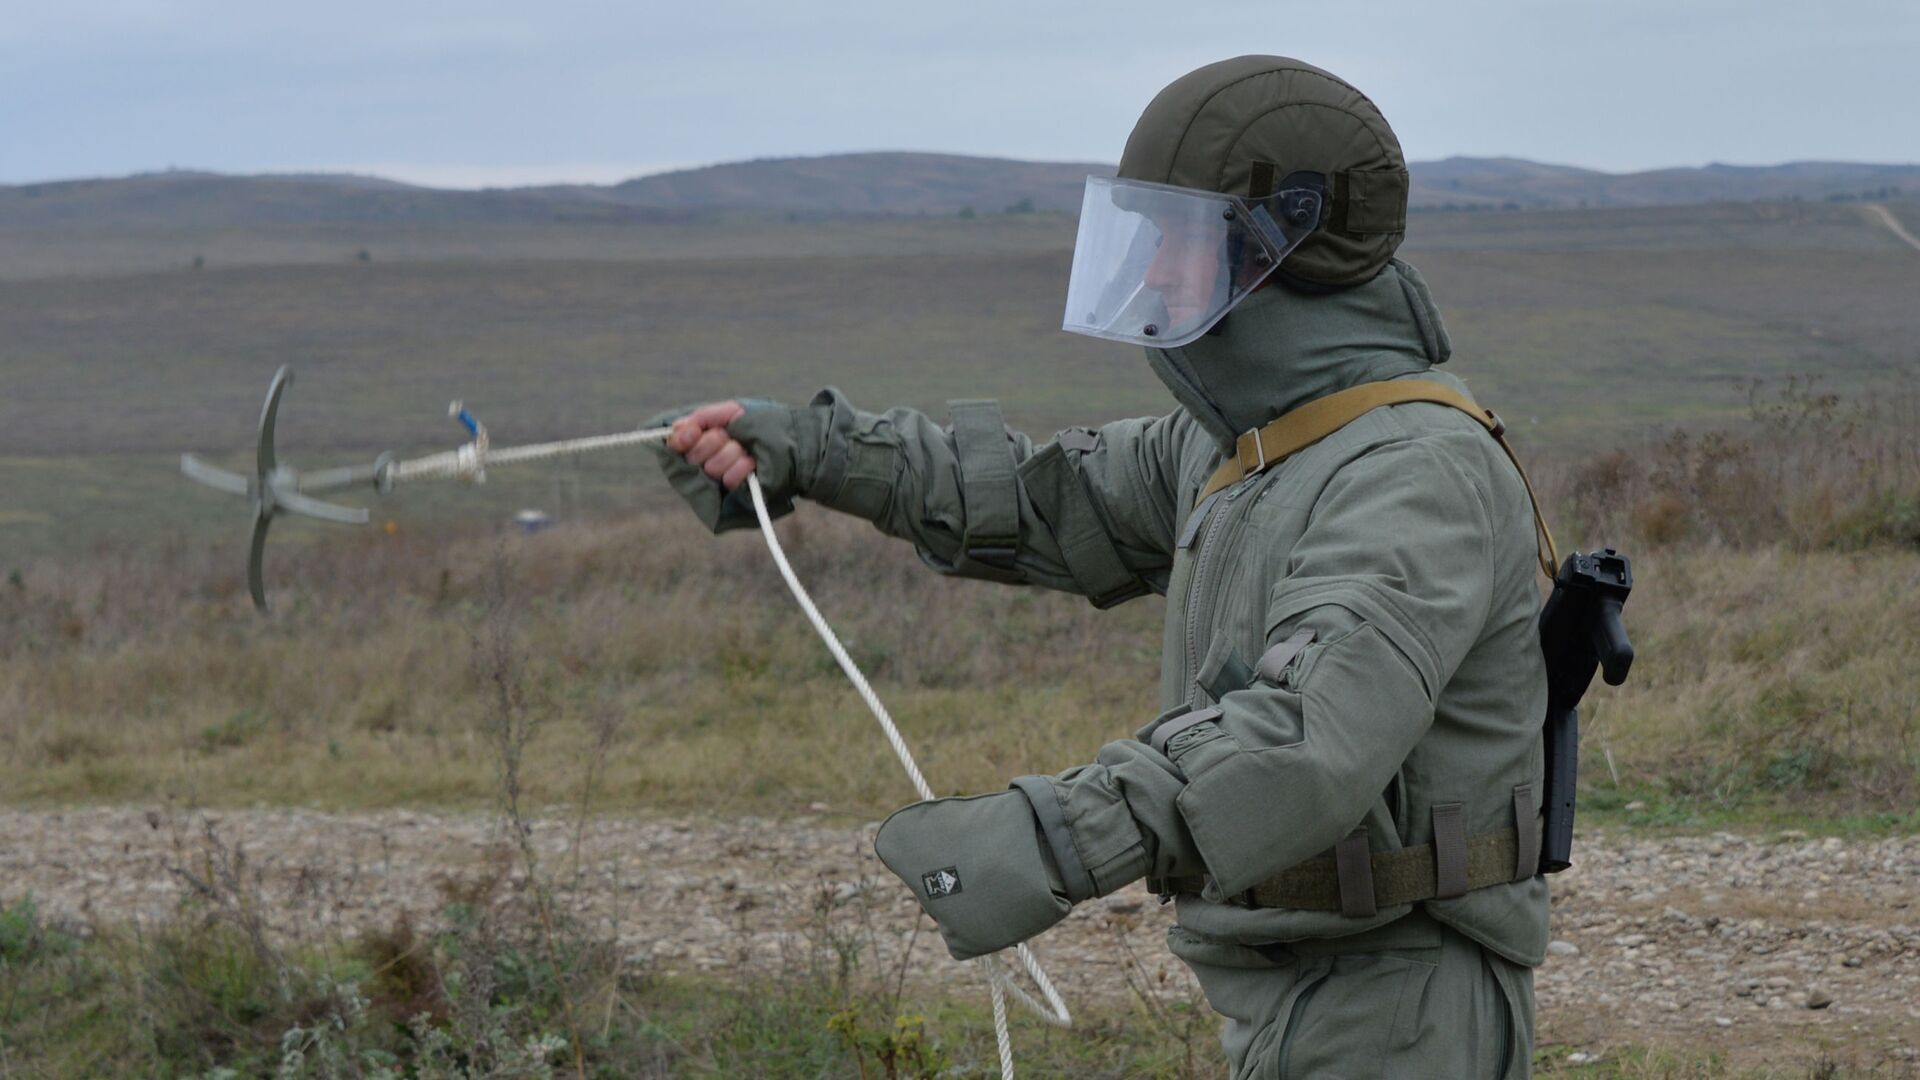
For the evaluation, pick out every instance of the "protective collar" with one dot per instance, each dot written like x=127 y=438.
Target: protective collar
x=1281 y=348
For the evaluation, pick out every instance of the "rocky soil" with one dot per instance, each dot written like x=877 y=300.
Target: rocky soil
x=1762 y=945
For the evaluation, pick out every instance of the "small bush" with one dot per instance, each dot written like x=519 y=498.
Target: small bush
x=901 y=1051
x=1889 y=518
x=24 y=938
x=235 y=731
x=403 y=980
x=1663 y=519
x=1801 y=768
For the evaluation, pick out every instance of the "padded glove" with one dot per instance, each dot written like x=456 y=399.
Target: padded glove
x=978 y=866
x=785 y=448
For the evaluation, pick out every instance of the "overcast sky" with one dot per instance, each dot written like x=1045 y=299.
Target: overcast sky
x=494 y=92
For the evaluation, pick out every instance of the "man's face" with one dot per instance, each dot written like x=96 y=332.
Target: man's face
x=1155 y=265
x=1184 y=271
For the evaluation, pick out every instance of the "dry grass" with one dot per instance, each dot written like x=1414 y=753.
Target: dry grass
x=676 y=664
x=1775 y=609
x=138 y=678
x=506 y=977
x=643 y=664
x=1776 y=614
x=1808 y=468
x=1769 y=672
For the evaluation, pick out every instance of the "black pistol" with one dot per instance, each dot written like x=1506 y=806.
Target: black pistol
x=1580 y=630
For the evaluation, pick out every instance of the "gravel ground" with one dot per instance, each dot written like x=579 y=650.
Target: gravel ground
x=1759 y=945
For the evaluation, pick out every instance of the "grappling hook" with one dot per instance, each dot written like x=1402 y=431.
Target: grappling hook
x=276 y=488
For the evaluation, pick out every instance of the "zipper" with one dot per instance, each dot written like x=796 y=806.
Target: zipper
x=1201 y=559
x=1293 y=1024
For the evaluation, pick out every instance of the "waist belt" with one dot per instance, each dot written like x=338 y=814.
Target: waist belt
x=1357 y=883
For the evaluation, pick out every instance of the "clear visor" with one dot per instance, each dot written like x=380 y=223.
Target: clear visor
x=1159 y=265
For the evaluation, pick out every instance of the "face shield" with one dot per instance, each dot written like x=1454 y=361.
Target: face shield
x=1159 y=265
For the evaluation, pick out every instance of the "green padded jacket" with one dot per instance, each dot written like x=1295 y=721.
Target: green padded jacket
x=1392 y=563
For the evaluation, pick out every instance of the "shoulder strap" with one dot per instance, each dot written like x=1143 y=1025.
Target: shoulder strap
x=1268 y=446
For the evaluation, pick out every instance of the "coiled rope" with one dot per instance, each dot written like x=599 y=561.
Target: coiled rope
x=469 y=462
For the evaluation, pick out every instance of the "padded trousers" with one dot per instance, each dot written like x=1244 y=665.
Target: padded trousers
x=1413 y=1000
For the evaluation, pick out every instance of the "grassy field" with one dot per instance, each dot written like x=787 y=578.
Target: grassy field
x=1775 y=613
x=492 y=994
x=81 y=250
x=1584 y=329
x=1774 y=680
x=1776 y=533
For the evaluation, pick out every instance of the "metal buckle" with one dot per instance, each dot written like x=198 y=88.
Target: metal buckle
x=1259 y=450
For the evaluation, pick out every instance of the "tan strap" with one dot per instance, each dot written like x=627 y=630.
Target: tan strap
x=1406 y=876
x=1261 y=449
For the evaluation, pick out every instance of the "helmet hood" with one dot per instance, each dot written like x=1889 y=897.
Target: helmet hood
x=1239 y=126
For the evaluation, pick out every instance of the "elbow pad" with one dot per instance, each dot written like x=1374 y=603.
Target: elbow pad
x=1277 y=774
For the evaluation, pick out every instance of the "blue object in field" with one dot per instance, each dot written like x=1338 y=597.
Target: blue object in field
x=466 y=419
x=533 y=521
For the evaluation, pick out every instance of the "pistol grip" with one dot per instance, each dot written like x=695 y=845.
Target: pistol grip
x=1610 y=642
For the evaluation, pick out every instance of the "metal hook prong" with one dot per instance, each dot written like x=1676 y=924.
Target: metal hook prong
x=274 y=487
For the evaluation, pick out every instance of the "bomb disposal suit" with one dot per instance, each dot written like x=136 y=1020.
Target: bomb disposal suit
x=1341 y=792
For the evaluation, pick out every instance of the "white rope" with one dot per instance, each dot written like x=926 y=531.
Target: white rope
x=1054 y=1011
x=470 y=462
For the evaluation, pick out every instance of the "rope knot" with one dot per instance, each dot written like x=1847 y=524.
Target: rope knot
x=470 y=460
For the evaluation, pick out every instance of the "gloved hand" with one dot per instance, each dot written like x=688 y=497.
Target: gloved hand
x=784 y=453
x=979 y=866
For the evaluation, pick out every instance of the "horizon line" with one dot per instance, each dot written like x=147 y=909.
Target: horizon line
x=419 y=174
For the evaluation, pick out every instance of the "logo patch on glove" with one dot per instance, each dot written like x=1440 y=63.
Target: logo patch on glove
x=938 y=883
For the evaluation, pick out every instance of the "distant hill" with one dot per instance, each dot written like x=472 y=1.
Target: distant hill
x=869 y=184
x=840 y=184
x=1517 y=184
x=181 y=199
x=876 y=184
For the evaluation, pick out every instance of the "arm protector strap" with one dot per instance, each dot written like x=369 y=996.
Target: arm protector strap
x=1052 y=479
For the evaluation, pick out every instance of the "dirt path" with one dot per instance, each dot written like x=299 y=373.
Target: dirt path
x=1760 y=946
x=1884 y=216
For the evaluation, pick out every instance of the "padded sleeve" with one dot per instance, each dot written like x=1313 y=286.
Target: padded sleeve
x=1089 y=512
